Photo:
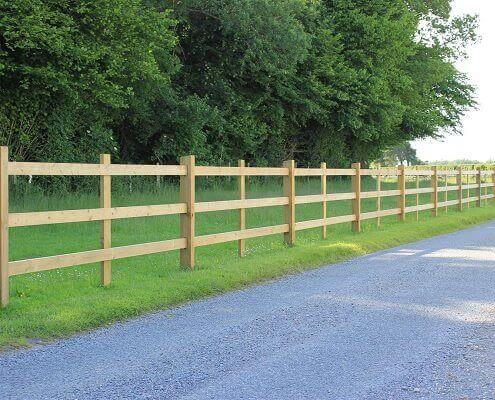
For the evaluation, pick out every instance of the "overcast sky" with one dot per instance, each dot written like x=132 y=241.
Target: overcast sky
x=478 y=139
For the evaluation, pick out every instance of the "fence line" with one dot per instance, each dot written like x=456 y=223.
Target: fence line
x=188 y=207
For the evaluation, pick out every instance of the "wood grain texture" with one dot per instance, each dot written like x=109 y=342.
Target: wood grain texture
x=356 y=203
x=4 y=226
x=290 y=208
x=187 y=193
x=241 y=188
x=106 y=224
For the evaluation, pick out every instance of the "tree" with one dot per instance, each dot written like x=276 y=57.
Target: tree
x=264 y=80
x=332 y=80
x=403 y=154
x=71 y=71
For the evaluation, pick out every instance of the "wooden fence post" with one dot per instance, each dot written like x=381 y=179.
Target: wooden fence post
x=241 y=185
x=323 y=167
x=434 y=194
x=446 y=194
x=486 y=189
x=290 y=209
x=401 y=200
x=356 y=203
x=378 y=197
x=417 y=197
x=493 y=182
x=468 y=182
x=4 y=226
x=187 y=194
x=478 y=182
x=459 y=187
x=106 y=224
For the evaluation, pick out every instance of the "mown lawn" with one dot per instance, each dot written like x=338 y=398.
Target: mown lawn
x=57 y=303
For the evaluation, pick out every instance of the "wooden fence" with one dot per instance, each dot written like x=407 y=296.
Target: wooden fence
x=188 y=207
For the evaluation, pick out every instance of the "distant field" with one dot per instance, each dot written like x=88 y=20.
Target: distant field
x=60 y=302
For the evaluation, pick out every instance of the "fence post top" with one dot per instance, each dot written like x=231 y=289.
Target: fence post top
x=356 y=165
x=187 y=158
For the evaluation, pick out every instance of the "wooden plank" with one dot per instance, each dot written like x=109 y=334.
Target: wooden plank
x=290 y=209
x=106 y=227
x=419 y=190
x=93 y=214
x=323 y=188
x=187 y=224
x=470 y=186
x=78 y=169
x=447 y=172
x=401 y=198
x=314 y=223
x=434 y=194
x=309 y=172
x=419 y=172
x=340 y=196
x=383 y=172
x=314 y=198
x=236 y=171
x=421 y=207
x=340 y=219
x=383 y=193
x=223 y=237
x=447 y=188
x=381 y=213
x=340 y=172
x=208 y=206
x=356 y=203
x=93 y=256
x=469 y=199
x=448 y=203
x=4 y=226
x=241 y=188
x=488 y=196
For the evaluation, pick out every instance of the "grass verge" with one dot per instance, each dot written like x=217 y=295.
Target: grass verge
x=58 y=303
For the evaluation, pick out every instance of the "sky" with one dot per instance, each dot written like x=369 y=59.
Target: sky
x=478 y=139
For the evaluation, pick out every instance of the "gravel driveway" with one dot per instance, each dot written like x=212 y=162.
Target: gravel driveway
x=413 y=322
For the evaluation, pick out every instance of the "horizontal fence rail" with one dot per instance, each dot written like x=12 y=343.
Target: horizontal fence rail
x=187 y=207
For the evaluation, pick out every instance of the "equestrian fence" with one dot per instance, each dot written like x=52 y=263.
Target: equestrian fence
x=187 y=207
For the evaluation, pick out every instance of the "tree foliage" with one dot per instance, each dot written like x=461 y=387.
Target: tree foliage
x=263 y=80
x=403 y=154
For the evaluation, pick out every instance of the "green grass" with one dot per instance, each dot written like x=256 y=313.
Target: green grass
x=58 y=303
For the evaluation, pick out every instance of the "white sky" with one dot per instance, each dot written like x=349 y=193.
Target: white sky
x=478 y=139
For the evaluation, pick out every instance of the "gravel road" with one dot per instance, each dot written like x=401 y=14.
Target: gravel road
x=413 y=322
